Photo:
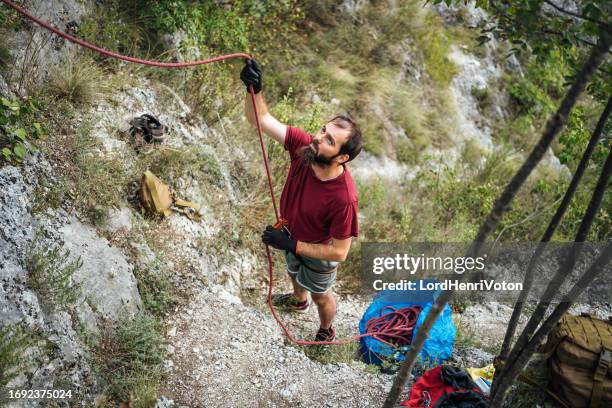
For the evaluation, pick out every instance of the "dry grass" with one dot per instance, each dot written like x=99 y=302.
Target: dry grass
x=80 y=80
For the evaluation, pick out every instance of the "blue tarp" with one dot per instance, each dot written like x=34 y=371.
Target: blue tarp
x=437 y=348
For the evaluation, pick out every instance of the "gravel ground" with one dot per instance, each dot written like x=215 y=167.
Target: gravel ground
x=224 y=354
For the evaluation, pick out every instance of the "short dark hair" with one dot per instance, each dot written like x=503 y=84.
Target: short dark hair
x=353 y=145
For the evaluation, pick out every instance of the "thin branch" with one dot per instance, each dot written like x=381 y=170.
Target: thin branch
x=519 y=357
x=582 y=40
x=571 y=13
x=524 y=220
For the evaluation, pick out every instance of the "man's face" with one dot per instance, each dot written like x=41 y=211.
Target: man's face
x=325 y=146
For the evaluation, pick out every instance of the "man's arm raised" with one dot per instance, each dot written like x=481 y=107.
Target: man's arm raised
x=269 y=124
x=252 y=76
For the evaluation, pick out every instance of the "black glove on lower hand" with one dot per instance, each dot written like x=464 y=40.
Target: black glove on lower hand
x=252 y=74
x=278 y=239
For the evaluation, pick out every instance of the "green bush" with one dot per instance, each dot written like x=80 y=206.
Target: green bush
x=436 y=46
x=116 y=26
x=19 y=128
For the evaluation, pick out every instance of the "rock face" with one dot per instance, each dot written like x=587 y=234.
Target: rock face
x=17 y=303
x=107 y=283
x=108 y=286
x=106 y=279
x=473 y=74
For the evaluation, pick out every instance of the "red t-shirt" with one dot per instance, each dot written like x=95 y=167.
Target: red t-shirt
x=316 y=210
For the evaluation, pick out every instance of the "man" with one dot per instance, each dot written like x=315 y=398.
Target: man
x=319 y=201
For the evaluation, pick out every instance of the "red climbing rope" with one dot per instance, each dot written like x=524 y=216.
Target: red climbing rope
x=386 y=331
x=396 y=327
x=115 y=55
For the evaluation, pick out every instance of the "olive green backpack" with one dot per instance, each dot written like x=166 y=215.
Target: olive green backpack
x=579 y=351
x=157 y=199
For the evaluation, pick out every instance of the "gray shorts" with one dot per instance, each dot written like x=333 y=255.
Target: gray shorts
x=314 y=275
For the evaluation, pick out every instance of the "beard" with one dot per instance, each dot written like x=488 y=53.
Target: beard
x=309 y=156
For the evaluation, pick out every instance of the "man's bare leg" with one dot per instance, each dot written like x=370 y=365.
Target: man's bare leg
x=299 y=292
x=326 y=305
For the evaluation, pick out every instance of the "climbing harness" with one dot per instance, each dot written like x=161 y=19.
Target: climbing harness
x=281 y=223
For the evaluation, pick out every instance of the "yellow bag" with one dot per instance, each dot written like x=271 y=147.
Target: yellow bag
x=157 y=199
x=486 y=372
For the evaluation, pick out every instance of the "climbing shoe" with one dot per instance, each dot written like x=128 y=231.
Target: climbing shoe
x=146 y=130
x=289 y=302
x=325 y=334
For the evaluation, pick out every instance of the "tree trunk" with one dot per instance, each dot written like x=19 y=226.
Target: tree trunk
x=550 y=230
x=513 y=371
x=519 y=357
x=553 y=127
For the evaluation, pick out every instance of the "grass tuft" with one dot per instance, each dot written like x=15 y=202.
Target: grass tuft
x=50 y=272
x=79 y=80
x=129 y=356
x=15 y=340
x=155 y=289
x=343 y=353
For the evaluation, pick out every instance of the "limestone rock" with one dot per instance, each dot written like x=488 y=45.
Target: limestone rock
x=106 y=279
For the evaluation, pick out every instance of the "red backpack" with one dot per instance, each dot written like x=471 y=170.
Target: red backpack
x=442 y=386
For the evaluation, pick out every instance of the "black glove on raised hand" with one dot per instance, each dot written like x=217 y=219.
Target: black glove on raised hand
x=252 y=74
x=278 y=239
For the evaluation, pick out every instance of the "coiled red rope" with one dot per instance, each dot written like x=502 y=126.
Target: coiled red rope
x=396 y=327
x=386 y=331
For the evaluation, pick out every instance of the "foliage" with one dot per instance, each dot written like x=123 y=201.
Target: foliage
x=172 y=164
x=129 y=356
x=534 y=98
x=574 y=139
x=49 y=193
x=206 y=24
x=50 y=274
x=543 y=27
x=239 y=26
x=19 y=127
x=307 y=117
x=543 y=85
x=439 y=67
x=114 y=26
x=15 y=340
